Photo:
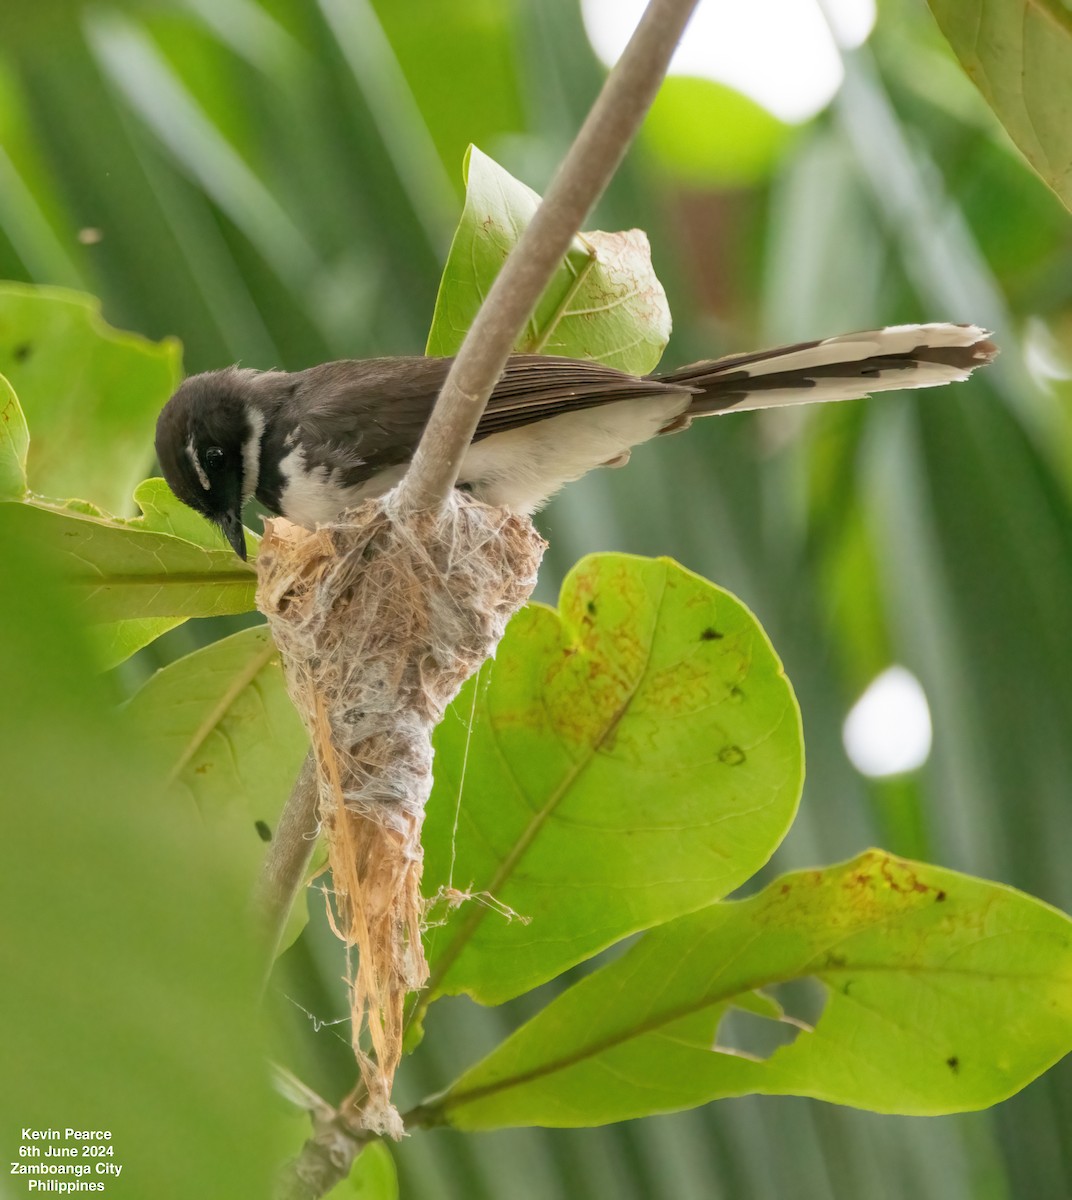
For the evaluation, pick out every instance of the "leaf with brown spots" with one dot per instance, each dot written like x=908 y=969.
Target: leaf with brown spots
x=14 y=442
x=620 y=770
x=943 y=993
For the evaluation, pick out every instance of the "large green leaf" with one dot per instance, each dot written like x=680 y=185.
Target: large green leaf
x=131 y=975
x=120 y=569
x=604 y=302
x=221 y=731
x=14 y=442
x=116 y=641
x=632 y=757
x=137 y=577
x=1019 y=54
x=943 y=993
x=90 y=392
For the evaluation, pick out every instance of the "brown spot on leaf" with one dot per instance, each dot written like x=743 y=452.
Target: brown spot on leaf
x=711 y=635
x=953 y=1063
x=732 y=756
x=22 y=352
x=900 y=877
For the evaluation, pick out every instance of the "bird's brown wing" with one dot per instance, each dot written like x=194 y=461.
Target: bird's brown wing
x=372 y=412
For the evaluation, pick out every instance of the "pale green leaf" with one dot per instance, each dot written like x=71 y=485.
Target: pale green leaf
x=944 y=993
x=604 y=302
x=118 y=569
x=1019 y=54
x=91 y=394
x=130 y=973
x=631 y=757
x=222 y=733
x=162 y=512
x=14 y=441
x=115 y=641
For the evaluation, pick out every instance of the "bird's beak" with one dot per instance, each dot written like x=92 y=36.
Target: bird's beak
x=231 y=524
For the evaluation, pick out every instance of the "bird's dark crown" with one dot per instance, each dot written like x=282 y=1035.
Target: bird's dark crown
x=207 y=412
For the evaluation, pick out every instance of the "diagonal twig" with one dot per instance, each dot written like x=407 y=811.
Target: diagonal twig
x=579 y=182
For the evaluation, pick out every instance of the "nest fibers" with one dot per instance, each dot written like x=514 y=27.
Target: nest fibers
x=380 y=618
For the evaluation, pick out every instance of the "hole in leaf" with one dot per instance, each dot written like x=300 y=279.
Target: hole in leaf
x=757 y=1034
x=803 y=1000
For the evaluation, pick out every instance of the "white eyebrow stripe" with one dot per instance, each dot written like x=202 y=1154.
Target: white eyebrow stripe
x=251 y=453
x=191 y=453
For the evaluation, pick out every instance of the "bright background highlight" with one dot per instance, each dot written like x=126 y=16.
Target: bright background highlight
x=781 y=53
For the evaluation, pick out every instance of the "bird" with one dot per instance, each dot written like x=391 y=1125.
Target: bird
x=310 y=444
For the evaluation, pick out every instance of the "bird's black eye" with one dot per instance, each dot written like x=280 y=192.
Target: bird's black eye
x=213 y=456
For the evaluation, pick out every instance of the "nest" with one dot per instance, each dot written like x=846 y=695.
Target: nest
x=380 y=619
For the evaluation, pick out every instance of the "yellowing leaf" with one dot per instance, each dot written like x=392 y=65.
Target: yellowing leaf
x=14 y=441
x=1019 y=55
x=605 y=302
x=631 y=757
x=943 y=994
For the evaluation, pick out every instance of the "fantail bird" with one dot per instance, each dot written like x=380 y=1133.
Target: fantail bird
x=309 y=444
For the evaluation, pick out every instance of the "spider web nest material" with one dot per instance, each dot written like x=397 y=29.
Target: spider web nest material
x=380 y=618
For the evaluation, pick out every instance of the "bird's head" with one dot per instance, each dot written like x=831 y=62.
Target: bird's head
x=208 y=440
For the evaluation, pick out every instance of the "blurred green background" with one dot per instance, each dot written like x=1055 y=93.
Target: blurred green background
x=276 y=182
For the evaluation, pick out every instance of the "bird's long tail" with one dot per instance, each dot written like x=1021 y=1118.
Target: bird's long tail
x=837 y=368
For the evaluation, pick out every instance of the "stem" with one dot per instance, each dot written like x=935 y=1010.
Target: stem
x=287 y=861
x=579 y=182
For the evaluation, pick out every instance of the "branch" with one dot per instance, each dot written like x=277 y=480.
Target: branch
x=579 y=182
x=328 y=1156
x=287 y=861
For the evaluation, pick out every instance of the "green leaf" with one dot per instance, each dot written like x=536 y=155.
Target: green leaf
x=162 y=512
x=604 y=303
x=709 y=135
x=132 y=975
x=372 y=1177
x=221 y=732
x=1019 y=54
x=944 y=993
x=120 y=569
x=91 y=394
x=115 y=641
x=14 y=442
x=634 y=756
